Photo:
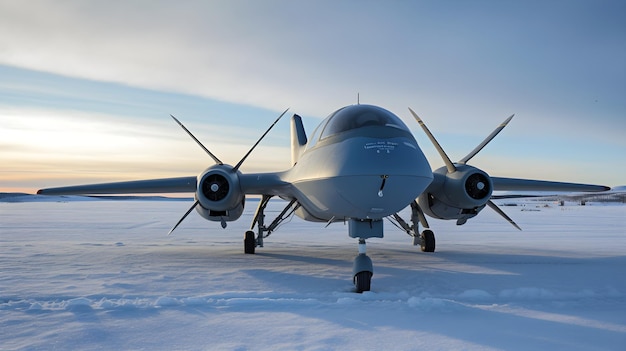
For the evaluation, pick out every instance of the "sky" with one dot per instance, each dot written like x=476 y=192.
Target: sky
x=86 y=87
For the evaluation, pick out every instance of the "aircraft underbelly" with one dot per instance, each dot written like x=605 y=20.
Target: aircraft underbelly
x=359 y=196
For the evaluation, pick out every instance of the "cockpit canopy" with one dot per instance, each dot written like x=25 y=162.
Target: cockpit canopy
x=358 y=116
x=361 y=118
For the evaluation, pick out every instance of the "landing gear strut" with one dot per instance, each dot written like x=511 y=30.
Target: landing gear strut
x=250 y=242
x=426 y=240
x=363 y=269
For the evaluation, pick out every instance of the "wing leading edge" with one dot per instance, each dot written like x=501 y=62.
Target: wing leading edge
x=151 y=186
x=188 y=185
x=515 y=184
x=251 y=184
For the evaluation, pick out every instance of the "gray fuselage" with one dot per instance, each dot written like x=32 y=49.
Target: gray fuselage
x=362 y=162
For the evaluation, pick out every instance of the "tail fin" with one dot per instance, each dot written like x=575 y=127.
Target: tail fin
x=298 y=138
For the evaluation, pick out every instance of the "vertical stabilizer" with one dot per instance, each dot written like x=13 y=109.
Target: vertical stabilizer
x=298 y=138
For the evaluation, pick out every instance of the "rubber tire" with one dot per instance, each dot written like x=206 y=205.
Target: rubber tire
x=363 y=281
x=249 y=242
x=428 y=242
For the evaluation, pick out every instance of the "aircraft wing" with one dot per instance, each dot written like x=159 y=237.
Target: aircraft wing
x=151 y=186
x=515 y=184
x=188 y=185
x=251 y=184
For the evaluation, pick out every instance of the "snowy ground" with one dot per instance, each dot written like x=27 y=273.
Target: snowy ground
x=103 y=275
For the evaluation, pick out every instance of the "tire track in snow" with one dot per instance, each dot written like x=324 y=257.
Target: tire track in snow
x=424 y=301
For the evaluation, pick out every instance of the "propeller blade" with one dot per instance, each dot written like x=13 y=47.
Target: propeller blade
x=486 y=141
x=501 y=213
x=184 y=216
x=258 y=141
x=217 y=160
x=446 y=159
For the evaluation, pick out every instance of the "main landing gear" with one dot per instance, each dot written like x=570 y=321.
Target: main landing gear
x=251 y=239
x=249 y=242
x=426 y=240
x=362 y=269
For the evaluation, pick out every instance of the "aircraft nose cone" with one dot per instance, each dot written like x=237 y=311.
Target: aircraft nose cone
x=364 y=198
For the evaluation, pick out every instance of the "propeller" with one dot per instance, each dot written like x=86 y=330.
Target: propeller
x=446 y=159
x=258 y=141
x=486 y=141
x=184 y=216
x=476 y=184
x=501 y=213
x=217 y=160
x=216 y=187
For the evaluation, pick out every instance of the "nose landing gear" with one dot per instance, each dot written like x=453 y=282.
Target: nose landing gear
x=363 y=269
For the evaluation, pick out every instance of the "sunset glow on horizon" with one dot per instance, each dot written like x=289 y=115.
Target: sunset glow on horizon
x=86 y=88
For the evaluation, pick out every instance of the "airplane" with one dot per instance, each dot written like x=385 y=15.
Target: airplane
x=361 y=165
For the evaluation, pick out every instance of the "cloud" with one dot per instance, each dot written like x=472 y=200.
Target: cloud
x=314 y=55
x=560 y=66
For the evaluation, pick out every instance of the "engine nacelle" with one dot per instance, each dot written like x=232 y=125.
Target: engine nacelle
x=219 y=194
x=460 y=195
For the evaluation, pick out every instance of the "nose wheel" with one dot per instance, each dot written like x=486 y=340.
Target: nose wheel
x=363 y=281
